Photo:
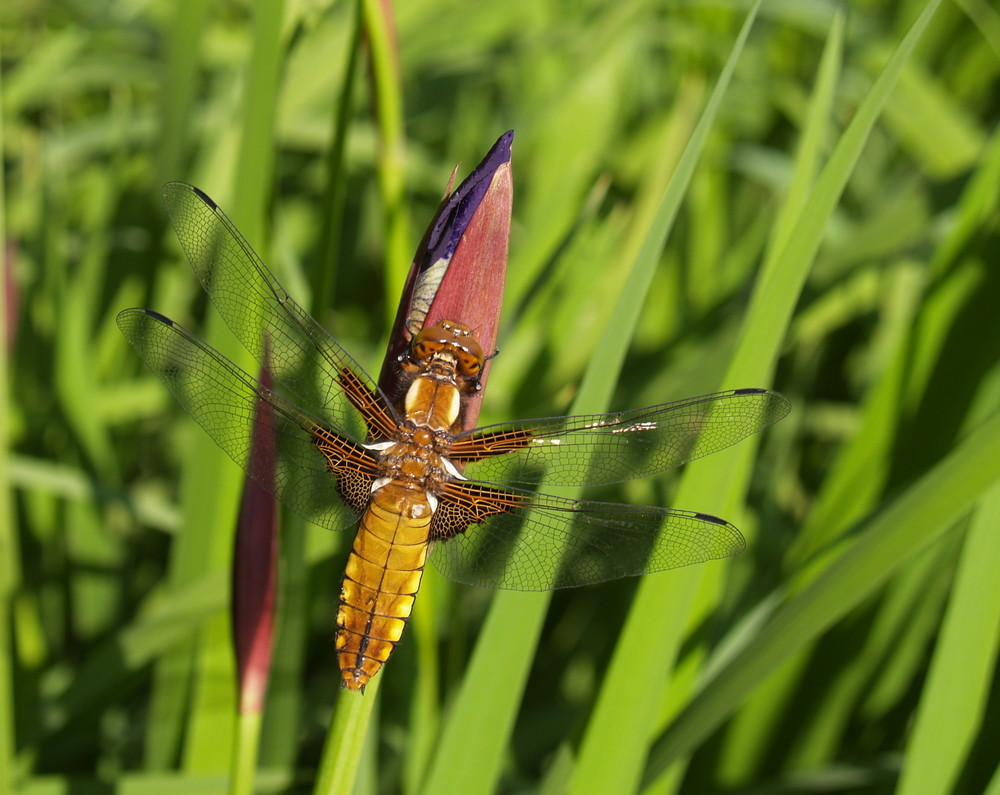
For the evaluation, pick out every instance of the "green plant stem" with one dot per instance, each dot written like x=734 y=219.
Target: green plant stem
x=181 y=84
x=345 y=740
x=245 y=753
x=380 y=31
x=9 y=554
x=328 y=259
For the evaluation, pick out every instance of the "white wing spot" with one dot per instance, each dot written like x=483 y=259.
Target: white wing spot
x=451 y=469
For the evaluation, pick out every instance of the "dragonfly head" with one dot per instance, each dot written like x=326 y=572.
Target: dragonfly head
x=446 y=342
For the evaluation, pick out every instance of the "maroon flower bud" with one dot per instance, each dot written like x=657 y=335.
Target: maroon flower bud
x=460 y=269
x=255 y=562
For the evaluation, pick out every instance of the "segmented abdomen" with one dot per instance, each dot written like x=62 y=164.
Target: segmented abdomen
x=381 y=581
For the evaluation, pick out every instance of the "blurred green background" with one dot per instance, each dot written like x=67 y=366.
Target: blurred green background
x=826 y=224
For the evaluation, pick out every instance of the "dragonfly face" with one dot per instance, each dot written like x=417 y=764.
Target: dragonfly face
x=452 y=342
x=405 y=476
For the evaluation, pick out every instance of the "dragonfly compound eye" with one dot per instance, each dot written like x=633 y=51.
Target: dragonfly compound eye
x=470 y=359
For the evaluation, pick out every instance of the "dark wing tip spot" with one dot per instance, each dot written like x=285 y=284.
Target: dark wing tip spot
x=204 y=197
x=157 y=316
x=750 y=390
x=707 y=517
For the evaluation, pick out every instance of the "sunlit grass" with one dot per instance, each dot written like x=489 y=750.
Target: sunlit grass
x=835 y=238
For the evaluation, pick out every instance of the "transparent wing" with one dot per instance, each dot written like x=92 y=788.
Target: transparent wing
x=608 y=448
x=525 y=541
x=302 y=355
x=310 y=463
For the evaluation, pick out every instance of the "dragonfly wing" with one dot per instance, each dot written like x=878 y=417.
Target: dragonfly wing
x=302 y=356
x=524 y=541
x=608 y=448
x=310 y=463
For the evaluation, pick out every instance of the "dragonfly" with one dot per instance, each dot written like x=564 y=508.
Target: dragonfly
x=403 y=473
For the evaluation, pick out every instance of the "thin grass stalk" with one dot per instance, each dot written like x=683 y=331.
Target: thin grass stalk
x=804 y=241
x=425 y=709
x=986 y=18
x=73 y=371
x=10 y=556
x=180 y=84
x=285 y=695
x=257 y=141
x=332 y=214
x=380 y=32
x=171 y=675
x=808 y=157
x=978 y=204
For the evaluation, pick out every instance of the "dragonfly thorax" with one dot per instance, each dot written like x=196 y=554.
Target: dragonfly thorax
x=414 y=462
x=433 y=403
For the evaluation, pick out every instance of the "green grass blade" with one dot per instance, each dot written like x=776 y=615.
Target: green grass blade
x=856 y=477
x=379 y=28
x=774 y=300
x=613 y=748
x=808 y=160
x=811 y=224
x=754 y=729
x=181 y=84
x=599 y=380
x=283 y=708
x=335 y=192
x=480 y=720
x=954 y=699
x=165 y=727
x=770 y=311
x=926 y=511
x=167 y=624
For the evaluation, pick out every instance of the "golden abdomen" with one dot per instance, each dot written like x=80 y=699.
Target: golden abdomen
x=381 y=581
